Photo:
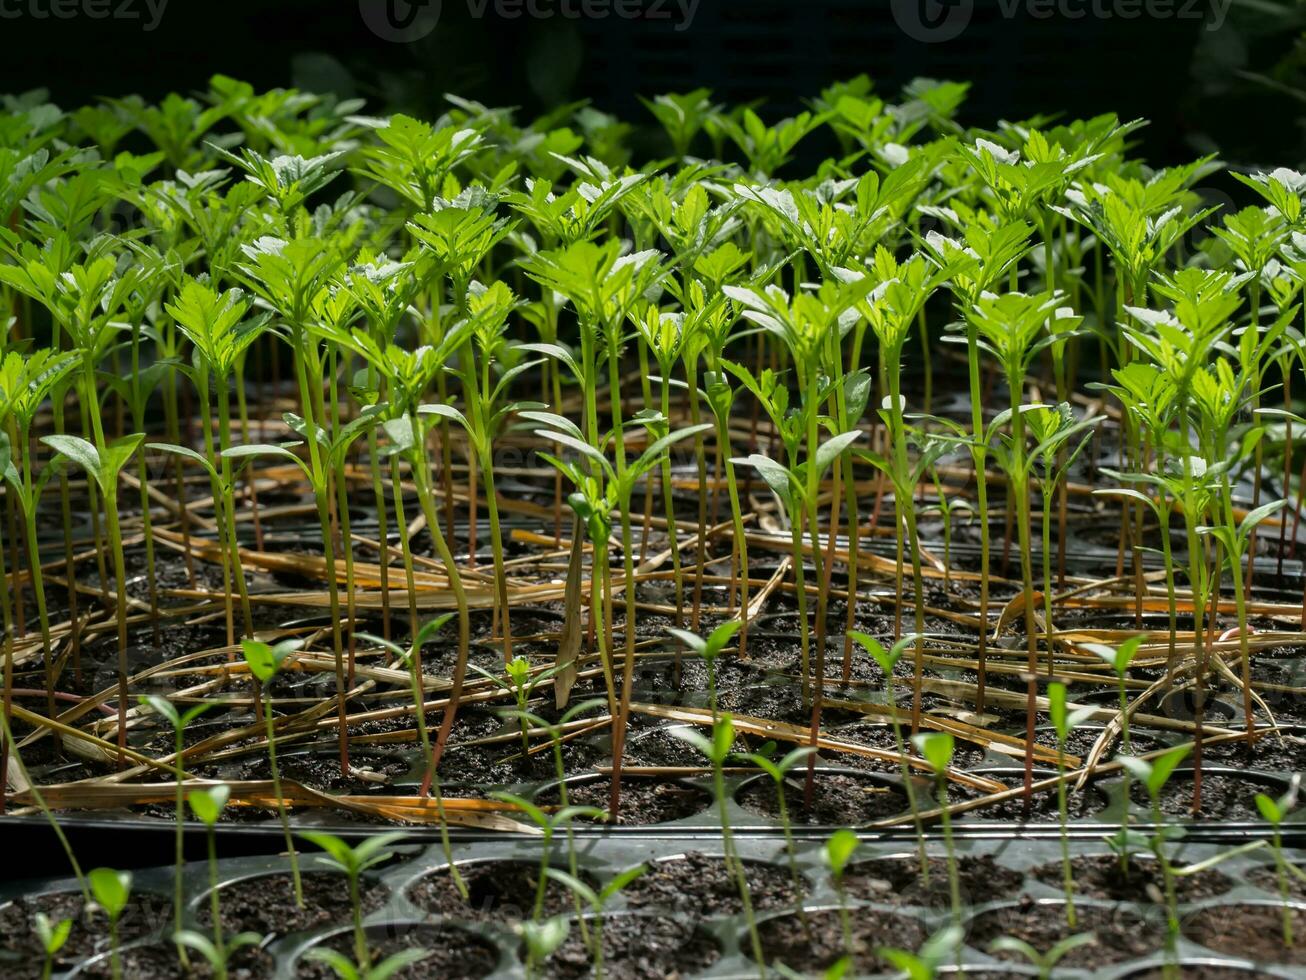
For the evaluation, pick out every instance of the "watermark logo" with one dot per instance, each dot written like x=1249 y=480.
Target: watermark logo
x=933 y=21
x=149 y=13
x=405 y=21
x=400 y=21
x=939 y=21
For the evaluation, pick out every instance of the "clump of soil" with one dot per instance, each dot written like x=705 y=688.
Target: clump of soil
x=452 y=954
x=897 y=881
x=497 y=891
x=266 y=903
x=637 y=947
x=1122 y=933
x=820 y=944
x=1251 y=931
x=702 y=886
x=643 y=801
x=838 y=800
x=1099 y=876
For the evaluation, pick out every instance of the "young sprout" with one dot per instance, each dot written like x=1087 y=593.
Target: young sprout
x=542 y=940
x=178 y=720
x=597 y=902
x=887 y=660
x=207 y=805
x=521 y=685
x=709 y=649
x=1154 y=775
x=352 y=862
x=53 y=935
x=1274 y=812
x=412 y=660
x=1119 y=659
x=265 y=662
x=217 y=956
x=1045 y=963
x=348 y=970
x=936 y=748
x=717 y=750
x=102 y=466
x=839 y=849
x=112 y=889
x=925 y=962
x=548 y=824
x=1063 y=723
x=778 y=770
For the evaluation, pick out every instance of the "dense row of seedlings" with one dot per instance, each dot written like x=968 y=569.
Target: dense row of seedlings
x=239 y=294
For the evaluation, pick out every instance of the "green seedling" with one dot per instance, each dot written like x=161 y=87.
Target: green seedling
x=778 y=770
x=542 y=939
x=1045 y=963
x=112 y=890
x=597 y=902
x=709 y=650
x=1063 y=723
x=839 y=849
x=352 y=862
x=346 y=969
x=264 y=662
x=925 y=962
x=52 y=935
x=936 y=748
x=1274 y=812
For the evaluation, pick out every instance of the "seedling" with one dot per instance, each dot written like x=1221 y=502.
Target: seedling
x=352 y=862
x=709 y=650
x=53 y=935
x=264 y=661
x=167 y=710
x=1045 y=963
x=778 y=770
x=1119 y=659
x=542 y=938
x=1274 y=812
x=597 y=902
x=346 y=969
x=925 y=962
x=112 y=890
x=839 y=849
x=717 y=750
x=936 y=748
x=1063 y=723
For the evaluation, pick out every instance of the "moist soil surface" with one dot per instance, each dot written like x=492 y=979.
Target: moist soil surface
x=1202 y=971
x=159 y=960
x=1099 y=876
x=1122 y=933
x=266 y=903
x=898 y=881
x=816 y=947
x=637 y=947
x=497 y=891
x=1223 y=797
x=701 y=886
x=1253 y=932
x=838 y=799
x=21 y=947
x=643 y=801
x=453 y=954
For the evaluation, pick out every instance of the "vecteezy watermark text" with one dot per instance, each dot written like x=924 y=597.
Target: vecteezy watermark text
x=411 y=20
x=148 y=12
x=945 y=20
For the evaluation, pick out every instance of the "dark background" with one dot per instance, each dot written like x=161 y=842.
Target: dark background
x=1190 y=81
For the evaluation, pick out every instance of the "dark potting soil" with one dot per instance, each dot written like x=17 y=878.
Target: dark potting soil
x=1042 y=803
x=266 y=903
x=370 y=772
x=643 y=801
x=820 y=944
x=452 y=954
x=1269 y=754
x=1121 y=933
x=701 y=886
x=1099 y=876
x=637 y=947
x=838 y=799
x=1253 y=932
x=1267 y=878
x=497 y=891
x=19 y=944
x=1223 y=797
x=880 y=736
x=661 y=747
x=897 y=881
x=159 y=961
